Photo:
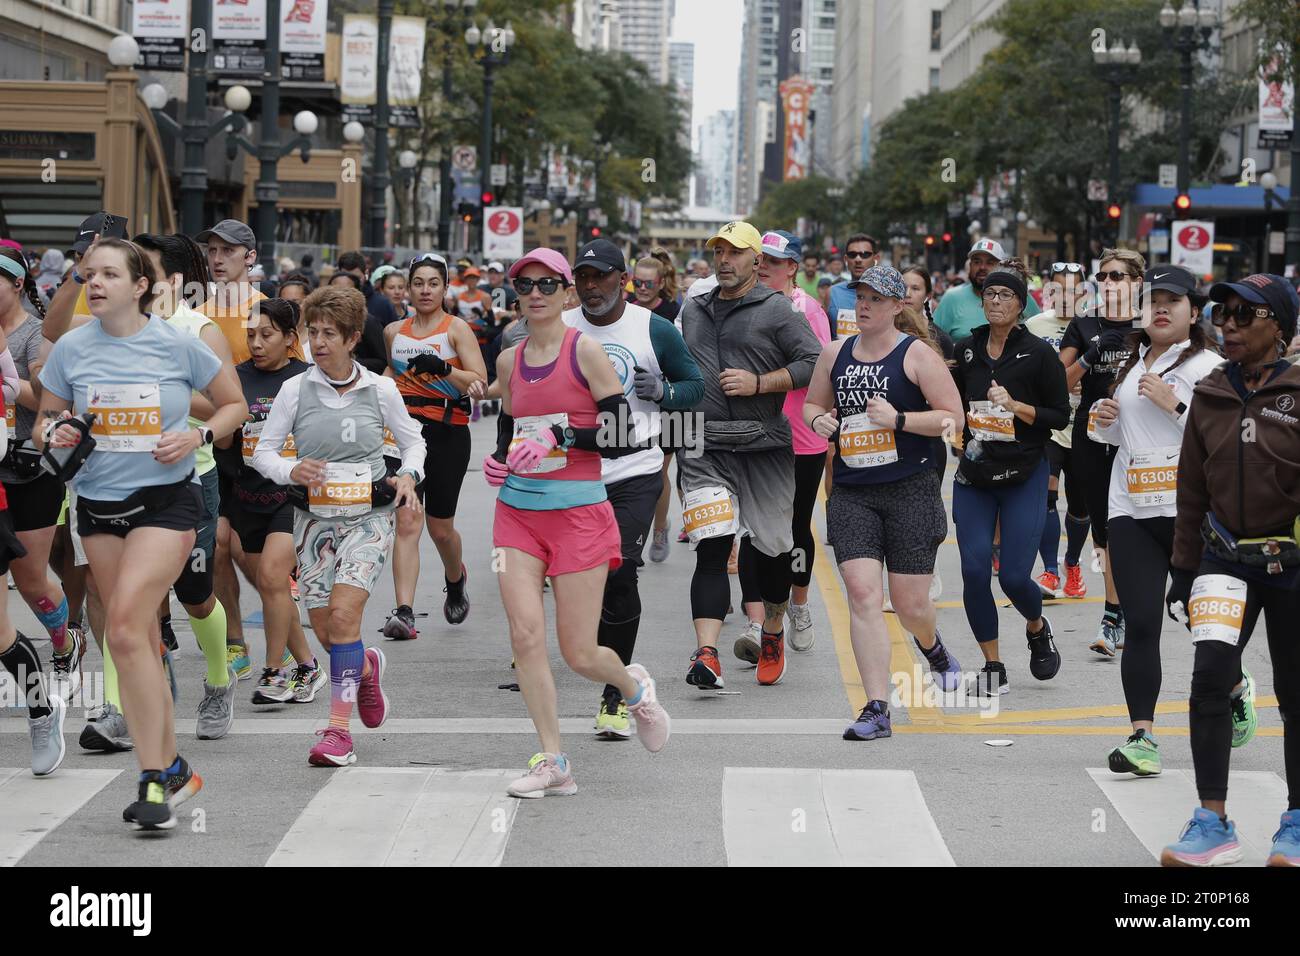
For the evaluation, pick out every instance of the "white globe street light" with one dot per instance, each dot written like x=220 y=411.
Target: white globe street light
x=305 y=122
x=1268 y=181
x=154 y=96
x=354 y=132
x=238 y=99
x=123 y=51
x=473 y=35
x=407 y=159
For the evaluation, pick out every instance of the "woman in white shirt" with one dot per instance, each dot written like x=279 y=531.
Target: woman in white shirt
x=1144 y=417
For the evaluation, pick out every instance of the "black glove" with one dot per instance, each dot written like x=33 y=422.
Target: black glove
x=1180 y=595
x=429 y=364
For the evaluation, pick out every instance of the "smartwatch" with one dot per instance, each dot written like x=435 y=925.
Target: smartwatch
x=1180 y=409
x=205 y=433
x=567 y=437
x=77 y=277
x=899 y=421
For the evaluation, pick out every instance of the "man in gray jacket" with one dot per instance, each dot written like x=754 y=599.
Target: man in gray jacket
x=752 y=346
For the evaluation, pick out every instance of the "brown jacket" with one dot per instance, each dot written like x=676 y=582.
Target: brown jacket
x=1240 y=459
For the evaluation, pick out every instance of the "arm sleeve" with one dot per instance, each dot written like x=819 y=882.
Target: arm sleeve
x=1054 y=410
x=614 y=436
x=685 y=384
x=279 y=423
x=1193 y=496
x=12 y=384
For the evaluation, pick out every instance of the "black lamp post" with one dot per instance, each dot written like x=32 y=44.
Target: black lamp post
x=1118 y=66
x=1187 y=31
x=380 y=179
x=453 y=24
x=496 y=43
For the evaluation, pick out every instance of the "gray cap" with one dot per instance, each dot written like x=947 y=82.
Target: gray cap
x=233 y=231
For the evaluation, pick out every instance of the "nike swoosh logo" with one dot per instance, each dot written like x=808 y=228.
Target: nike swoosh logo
x=1023 y=355
x=147 y=395
x=1171 y=457
x=1161 y=275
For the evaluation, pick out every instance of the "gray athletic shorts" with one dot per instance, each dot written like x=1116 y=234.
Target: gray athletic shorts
x=762 y=491
x=899 y=523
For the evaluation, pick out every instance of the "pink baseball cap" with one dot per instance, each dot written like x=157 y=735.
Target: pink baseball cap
x=11 y=244
x=549 y=258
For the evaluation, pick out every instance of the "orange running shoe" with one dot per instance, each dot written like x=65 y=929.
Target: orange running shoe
x=706 y=669
x=771 y=659
x=1049 y=584
x=1074 y=586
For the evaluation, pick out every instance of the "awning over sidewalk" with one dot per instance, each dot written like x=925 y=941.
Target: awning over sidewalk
x=1221 y=196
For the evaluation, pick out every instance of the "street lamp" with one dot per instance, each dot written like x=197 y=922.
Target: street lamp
x=408 y=159
x=452 y=25
x=496 y=43
x=123 y=51
x=1186 y=31
x=1119 y=64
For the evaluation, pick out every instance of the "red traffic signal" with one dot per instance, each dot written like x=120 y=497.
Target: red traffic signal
x=487 y=199
x=595 y=232
x=1183 y=202
x=947 y=237
x=1114 y=211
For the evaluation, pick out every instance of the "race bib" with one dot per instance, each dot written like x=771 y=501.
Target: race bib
x=1152 y=476
x=989 y=422
x=1217 y=607
x=11 y=422
x=846 y=323
x=345 y=492
x=253 y=434
x=390 y=445
x=127 y=417
x=708 y=513
x=531 y=427
x=864 y=445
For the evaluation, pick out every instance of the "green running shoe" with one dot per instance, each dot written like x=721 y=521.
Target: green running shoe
x=1244 y=718
x=1140 y=755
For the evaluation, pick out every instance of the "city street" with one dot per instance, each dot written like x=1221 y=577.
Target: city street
x=752 y=775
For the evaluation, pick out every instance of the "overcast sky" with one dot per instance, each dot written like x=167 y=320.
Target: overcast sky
x=714 y=26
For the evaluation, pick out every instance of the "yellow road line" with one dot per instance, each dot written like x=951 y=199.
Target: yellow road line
x=1038 y=731
x=1078 y=713
x=1049 y=602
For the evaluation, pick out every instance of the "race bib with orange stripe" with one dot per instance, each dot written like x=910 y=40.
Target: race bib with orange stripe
x=865 y=445
x=345 y=493
x=1217 y=608
x=708 y=513
x=989 y=422
x=1152 y=476
x=127 y=417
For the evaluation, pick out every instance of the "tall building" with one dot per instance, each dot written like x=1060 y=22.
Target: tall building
x=596 y=24
x=681 y=71
x=851 y=86
x=963 y=45
x=761 y=41
x=907 y=59
x=716 y=182
x=818 y=67
x=643 y=34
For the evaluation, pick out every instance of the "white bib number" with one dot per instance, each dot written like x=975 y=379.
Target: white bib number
x=1152 y=476
x=708 y=513
x=127 y=417
x=989 y=422
x=864 y=445
x=1217 y=607
x=846 y=323
x=531 y=427
x=345 y=492
x=253 y=435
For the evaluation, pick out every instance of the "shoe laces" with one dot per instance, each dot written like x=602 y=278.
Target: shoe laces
x=704 y=653
x=211 y=704
x=332 y=735
x=366 y=691
x=1196 y=824
x=303 y=672
x=1292 y=825
x=1239 y=708
x=870 y=715
x=771 y=647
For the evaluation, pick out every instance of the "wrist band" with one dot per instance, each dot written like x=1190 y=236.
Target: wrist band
x=900 y=420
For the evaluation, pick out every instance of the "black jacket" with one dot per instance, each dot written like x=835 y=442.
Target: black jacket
x=1030 y=370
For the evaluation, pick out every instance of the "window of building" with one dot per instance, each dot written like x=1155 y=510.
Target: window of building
x=936 y=29
x=934 y=77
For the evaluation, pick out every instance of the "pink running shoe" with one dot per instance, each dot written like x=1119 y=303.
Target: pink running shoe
x=372 y=704
x=333 y=750
x=652 y=722
x=545 y=778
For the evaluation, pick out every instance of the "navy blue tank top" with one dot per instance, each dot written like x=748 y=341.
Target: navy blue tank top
x=865 y=454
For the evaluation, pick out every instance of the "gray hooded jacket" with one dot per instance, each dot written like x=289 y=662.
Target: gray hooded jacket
x=762 y=333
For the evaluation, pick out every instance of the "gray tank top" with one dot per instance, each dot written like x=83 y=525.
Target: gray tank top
x=353 y=433
x=25 y=346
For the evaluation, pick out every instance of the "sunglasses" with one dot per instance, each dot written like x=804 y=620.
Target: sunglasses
x=1242 y=314
x=858 y=255
x=1071 y=267
x=547 y=285
x=427 y=257
x=1115 y=276
x=645 y=283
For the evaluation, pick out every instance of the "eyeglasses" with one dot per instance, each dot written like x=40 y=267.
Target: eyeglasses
x=547 y=285
x=1071 y=267
x=1241 y=314
x=645 y=283
x=427 y=257
x=858 y=255
x=1114 y=276
x=998 y=295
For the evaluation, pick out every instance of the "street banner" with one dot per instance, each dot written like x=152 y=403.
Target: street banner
x=1276 y=108
x=405 y=68
x=503 y=232
x=160 y=28
x=796 y=96
x=359 y=66
x=239 y=37
x=1192 y=245
x=302 y=39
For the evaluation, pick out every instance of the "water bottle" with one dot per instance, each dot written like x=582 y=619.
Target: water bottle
x=63 y=463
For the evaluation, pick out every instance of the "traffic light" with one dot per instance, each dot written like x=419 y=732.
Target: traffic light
x=1182 y=206
x=947 y=237
x=595 y=232
x=487 y=199
x=929 y=241
x=1114 y=211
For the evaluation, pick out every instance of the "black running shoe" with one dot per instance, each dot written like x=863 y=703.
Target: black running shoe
x=168 y=635
x=456 y=608
x=992 y=681
x=1044 y=658
x=400 y=625
x=151 y=811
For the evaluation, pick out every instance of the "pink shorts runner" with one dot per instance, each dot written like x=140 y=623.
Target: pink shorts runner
x=567 y=539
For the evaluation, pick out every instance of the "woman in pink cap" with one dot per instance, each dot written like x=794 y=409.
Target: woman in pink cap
x=552 y=515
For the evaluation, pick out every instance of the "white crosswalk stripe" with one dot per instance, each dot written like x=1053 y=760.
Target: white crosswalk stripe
x=798 y=817
x=1155 y=808
x=396 y=816
x=32 y=807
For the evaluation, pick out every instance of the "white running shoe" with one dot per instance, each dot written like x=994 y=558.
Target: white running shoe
x=747 y=645
x=801 y=627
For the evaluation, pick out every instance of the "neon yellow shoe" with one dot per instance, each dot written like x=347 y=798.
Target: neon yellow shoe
x=237 y=658
x=1140 y=755
x=612 y=720
x=1244 y=718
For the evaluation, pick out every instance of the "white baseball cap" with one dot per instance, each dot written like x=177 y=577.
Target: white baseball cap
x=495 y=266
x=989 y=247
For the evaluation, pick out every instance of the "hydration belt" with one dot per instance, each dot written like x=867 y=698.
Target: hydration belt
x=1273 y=553
x=446 y=404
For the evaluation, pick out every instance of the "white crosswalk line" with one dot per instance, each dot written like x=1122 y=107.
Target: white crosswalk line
x=1155 y=808
x=32 y=807
x=799 y=817
x=398 y=816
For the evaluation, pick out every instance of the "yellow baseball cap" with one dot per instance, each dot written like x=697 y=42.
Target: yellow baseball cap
x=739 y=234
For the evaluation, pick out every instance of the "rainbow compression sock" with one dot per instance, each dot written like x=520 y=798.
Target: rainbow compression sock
x=347 y=661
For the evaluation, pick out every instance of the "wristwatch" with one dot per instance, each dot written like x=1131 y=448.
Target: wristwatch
x=567 y=437
x=900 y=420
x=205 y=433
x=77 y=277
x=1180 y=409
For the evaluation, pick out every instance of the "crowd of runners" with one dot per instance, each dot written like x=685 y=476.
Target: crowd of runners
x=173 y=428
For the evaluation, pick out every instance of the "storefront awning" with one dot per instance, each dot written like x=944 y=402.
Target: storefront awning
x=1221 y=196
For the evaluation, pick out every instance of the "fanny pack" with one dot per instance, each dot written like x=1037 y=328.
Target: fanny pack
x=1273 y=553
x=151 y=498
x=21 y=464
x=733 y=433
x=381 y=493
x=987 y=473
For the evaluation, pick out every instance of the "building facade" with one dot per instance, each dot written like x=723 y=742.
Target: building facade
x=964 y=46
x=818 y=67
x=717 y=161
x=907 y=59
x=851 y=86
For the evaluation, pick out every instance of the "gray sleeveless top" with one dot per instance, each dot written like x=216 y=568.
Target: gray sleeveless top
x=353 y=433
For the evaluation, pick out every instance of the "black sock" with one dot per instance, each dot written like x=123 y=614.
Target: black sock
x=1076 y=533
x=24 y=664
x=621 y=639
x=1113 y=612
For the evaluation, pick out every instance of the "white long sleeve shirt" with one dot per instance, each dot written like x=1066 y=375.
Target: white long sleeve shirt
x=284 y=411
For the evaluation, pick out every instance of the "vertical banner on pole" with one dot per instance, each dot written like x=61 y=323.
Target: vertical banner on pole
x=796 y=95
x=405 y=69
x=302 y=40
x=359 y=69
x=160 y=28
x=239 y=37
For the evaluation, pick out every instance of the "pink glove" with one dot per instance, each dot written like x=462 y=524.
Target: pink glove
x=494 y=472
x=525 y=456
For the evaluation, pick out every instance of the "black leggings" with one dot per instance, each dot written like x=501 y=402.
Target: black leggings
x=1216 y=670
x=1091 y=464
x=1140 y=562
x=711 y=586
x=808 y=472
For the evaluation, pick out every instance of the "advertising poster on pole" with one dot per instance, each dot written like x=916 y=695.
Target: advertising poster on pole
x=796 y=96
x=302 y=40
x=405 y=68
x=1276 y=107
x=358 y=68
x=160 y=28
x=239 y=37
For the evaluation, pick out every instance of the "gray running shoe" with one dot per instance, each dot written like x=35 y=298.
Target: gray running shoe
x=48 y=746
x=109 y=733
x=659 y=547
x=216 y=710
x=801 y=633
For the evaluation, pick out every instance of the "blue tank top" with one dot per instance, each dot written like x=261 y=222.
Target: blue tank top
x=865 y=454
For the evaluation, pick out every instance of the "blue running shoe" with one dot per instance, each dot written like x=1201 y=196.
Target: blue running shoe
x=1286 y=841
x=1205 y=841
x=873 y=722
x=943 y=666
